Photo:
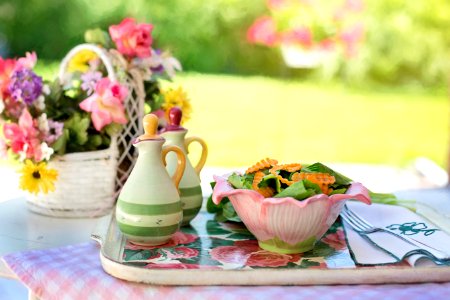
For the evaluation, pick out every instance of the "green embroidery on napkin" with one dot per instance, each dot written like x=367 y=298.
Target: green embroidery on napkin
x=412 y=228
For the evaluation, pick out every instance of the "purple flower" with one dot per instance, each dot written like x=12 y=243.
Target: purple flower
x=25 y=85
x=54 y=132
x=90 y=79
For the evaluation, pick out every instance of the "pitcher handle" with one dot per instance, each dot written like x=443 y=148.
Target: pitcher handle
x=202 y=160
x=181 y=164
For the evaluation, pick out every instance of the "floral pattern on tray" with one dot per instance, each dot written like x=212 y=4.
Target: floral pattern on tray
x=208 y=244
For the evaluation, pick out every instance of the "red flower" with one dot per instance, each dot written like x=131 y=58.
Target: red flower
x=7 y=66
x=132 y=39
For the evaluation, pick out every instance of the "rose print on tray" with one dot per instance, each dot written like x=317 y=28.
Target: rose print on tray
x=209 y=244
x=247 y=253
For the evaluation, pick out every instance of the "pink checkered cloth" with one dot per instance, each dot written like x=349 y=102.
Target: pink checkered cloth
x=75 y=272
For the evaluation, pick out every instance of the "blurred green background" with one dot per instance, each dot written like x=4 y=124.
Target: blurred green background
x=387 y=105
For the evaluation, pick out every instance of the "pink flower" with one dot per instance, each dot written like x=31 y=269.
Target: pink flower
x=277 y=4
x=106 y=104
x=336 y=240
x=23 y=137
x=29 y=61
x=265 y=258
x=181 y=252
x=302 y=36
x=132 y=39
x=263 y=31
x=351 y=37
x=247 y=253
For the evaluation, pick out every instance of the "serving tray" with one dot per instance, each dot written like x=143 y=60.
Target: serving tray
x=213 y=253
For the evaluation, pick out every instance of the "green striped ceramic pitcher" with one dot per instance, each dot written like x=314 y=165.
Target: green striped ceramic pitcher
x=149 y=209
x=190 y=190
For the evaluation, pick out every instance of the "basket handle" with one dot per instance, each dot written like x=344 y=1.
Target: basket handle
x=102 y=53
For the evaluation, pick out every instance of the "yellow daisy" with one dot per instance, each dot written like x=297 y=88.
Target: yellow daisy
x=37 y=177
x=80 y=61
x=177 y=97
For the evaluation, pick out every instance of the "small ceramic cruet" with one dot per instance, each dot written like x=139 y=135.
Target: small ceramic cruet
x=149 y=209
x=190 y=189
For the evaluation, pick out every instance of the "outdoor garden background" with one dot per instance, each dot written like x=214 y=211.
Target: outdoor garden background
x=388 y=104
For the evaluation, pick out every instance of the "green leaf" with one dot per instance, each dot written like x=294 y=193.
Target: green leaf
x=241 y=181
x=211 y=207
x=229 y=213
x=271 y=181
x=339 y=191
x=240 y=236
x=309 y=185
x=391 y=199
x=298 y=190
x=306 y=263
x=236 y=181
x=78 y=127
x=95 y=141
x=98 y=36
x=113 y=129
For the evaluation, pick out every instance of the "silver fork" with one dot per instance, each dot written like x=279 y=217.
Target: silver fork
x=362 y=226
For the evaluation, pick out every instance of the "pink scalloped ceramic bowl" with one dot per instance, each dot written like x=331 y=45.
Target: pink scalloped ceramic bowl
x=286 y=225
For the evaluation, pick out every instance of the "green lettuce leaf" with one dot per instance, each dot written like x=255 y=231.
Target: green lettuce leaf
x=241 y=181
x=224 y=210
x=300 y=190
x=271 y=181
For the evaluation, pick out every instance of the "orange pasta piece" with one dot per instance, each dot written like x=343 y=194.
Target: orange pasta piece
x=257 y=179
x=291 y=167
x=323 y=180
x=266 y=191
x=274 y=170
x=261 y=165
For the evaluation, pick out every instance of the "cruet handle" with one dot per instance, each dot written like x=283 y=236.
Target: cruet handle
x=202 y=143
x=181 y=164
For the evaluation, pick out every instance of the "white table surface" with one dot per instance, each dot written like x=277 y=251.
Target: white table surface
x=21 y=229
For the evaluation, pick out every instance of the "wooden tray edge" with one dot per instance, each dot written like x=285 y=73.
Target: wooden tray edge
x=379 y=275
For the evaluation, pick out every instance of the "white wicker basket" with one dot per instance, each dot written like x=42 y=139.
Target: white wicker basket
x=89 y=182
x=85 y=185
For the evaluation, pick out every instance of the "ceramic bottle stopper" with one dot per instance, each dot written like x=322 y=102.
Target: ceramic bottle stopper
x=190 y=189
x=149 y=209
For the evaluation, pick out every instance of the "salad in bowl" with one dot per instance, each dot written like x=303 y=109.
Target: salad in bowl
x=287 y=207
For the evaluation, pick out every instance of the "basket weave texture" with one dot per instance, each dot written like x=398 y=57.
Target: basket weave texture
x=89 y=182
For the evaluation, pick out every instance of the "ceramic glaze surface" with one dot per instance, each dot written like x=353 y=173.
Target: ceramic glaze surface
x=149 y=209
x=190 y=190
x=286 y=225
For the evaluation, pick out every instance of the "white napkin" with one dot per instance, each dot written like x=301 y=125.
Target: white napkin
x=433 y=204
x=384 y=248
